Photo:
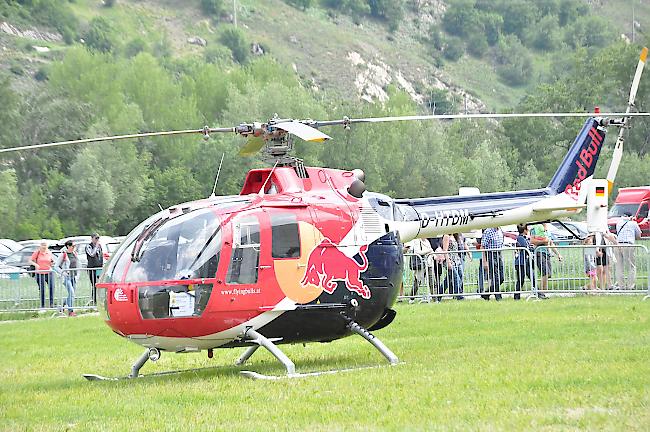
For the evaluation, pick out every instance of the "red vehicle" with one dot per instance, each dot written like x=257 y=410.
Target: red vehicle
x=635 y=201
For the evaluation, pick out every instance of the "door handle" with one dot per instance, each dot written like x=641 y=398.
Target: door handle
x=262 y=267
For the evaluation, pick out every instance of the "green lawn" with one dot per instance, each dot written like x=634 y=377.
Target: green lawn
x=572 y=363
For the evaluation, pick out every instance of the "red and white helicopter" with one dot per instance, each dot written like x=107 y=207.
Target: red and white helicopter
x=304 y=254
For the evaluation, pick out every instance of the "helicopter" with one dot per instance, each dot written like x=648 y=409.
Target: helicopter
x=304 y=254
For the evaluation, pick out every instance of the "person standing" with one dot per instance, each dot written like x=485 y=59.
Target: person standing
x=66 y=265
x=420 y=249
x=542 y=241
x=42 y=260
x=603 y=259
x=95 y=256
x=522 y=261
x=628 y=232
x=492 y=243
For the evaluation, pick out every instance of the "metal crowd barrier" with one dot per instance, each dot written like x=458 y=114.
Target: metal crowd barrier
x=19 y=292
x=624 y=270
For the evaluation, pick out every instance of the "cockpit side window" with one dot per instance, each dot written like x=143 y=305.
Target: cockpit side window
x=244 y=262
x=285 y=235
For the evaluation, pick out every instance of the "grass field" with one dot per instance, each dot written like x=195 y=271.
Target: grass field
x=573 y=363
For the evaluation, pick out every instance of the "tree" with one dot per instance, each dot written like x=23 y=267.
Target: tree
x=235 y=39
x=100 y=35
x=212 y=7
x=9 y=207
x=454 y=49
x=514 y=63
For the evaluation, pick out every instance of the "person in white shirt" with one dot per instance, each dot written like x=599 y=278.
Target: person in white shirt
x=628 y=232
x=418 y=249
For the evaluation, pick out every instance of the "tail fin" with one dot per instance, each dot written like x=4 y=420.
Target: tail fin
x=580 y=161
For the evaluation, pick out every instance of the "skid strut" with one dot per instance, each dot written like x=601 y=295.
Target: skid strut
x=259 y=339
x=374 y=340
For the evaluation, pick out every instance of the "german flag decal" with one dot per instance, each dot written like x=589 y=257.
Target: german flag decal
x=600 y=191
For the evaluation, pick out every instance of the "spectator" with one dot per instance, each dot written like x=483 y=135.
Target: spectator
x=95 y=257
x=492 y=260
x=543 y=242
x=419 y=248
x=523 y=267
x=42 y=260
x=590 y=254
x=482 y=274
x=464 y=254
x=66 y=265
x=603 y=259
x=435 y=264
x=628 y=232
x=452 y=283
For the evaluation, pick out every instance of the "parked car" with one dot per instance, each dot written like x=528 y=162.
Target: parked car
x=635 y=201
x=11 y=272
x=7 y=247
x=36 y=243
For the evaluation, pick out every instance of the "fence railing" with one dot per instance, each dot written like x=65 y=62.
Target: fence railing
x=611 y=269
x=522 y=273
x=20 y=291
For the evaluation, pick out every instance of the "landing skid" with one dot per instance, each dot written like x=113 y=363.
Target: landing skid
x=259 y=376
x=259 y=340
x=93 y=377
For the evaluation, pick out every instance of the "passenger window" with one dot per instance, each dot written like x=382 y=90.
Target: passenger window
x=286 y=239
x=244 y=262
x=643 y=213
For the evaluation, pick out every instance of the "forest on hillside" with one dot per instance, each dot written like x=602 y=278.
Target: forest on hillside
x=116 y=83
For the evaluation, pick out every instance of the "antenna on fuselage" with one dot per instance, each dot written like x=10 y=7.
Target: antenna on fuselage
x=214 y=188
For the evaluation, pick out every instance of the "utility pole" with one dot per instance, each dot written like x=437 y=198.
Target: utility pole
x=234 y=12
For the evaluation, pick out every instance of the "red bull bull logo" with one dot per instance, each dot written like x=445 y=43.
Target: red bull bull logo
x=327 y=264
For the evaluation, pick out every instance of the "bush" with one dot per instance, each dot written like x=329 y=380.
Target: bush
x=453 y=49
x=42 y=74
x=100 y=35
x=477 y=45
x=16 y=69
x=135 y=47
x=212 y=7
x=234 y=39
x=300 y=4
x=217 y=54
x=514 y=63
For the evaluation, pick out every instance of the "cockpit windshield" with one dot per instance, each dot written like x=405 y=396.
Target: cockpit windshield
x=184 y=247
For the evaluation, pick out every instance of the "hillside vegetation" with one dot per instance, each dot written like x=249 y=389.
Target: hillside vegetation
x=81 y=68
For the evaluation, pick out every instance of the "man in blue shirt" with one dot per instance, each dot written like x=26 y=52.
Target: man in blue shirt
x=492 y=260
x=628 y=232
x=522 y=261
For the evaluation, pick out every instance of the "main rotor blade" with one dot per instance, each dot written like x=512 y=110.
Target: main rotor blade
x=252 y=146
x=617 y=155
x=303 y=131
x=473 y=116
x=119 y=137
